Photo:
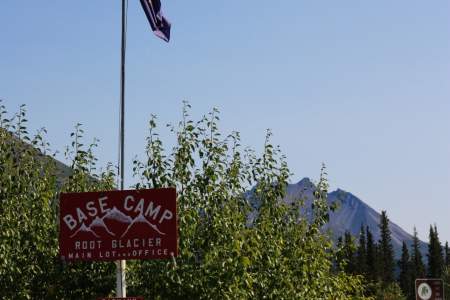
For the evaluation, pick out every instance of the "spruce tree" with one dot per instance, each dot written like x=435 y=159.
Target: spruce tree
x=361 y=253
x=404 y=265
x=370 y=255
x=435 y=256
x=378 y=268
x=386 y=250
x=417 y=265
x=446 y=253
x=349 y=252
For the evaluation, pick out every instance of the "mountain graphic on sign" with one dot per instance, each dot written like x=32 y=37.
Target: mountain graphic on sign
x=140 y=224
x=84 y=233
x=117 y=215
x=117 y=221
x=99 y=227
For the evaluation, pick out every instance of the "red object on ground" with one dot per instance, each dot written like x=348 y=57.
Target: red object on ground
x=114 y=225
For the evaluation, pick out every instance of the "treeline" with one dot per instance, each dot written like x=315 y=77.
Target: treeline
x=279 y=255
x=223 y=255
x=384 y=276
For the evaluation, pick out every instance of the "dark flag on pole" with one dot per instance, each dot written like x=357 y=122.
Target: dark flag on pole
x=160 y=25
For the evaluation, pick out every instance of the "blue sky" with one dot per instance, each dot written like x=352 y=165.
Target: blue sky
x=360 y=85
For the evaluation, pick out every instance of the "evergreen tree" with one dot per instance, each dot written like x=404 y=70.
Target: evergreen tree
x=361 y=253
x=386 y=250
x=446 y=253
x=370 y=255
x=418 y=267
x=349 y=248
x=404 y=265
x=446 y=279
x=378 y=268
x=435 y=256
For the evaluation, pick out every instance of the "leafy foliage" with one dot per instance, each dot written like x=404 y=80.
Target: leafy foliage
x=224 y=253
x=27 y=210
x=30 y=267
x=389 y=291
x=446 y=279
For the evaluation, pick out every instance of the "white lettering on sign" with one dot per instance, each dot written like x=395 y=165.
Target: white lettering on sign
x=152 y=211
x=92 y=209
x=80 y=215
x=140 y=207
x=88 y=245
x=70 y=221
x=103 y=205
x=125 y=205
x=136 y=243
x=82 y=255
x=167 y=215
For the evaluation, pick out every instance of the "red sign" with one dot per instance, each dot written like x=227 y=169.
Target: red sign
x=113 y=225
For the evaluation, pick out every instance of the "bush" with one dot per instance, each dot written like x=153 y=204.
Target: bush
x=224 y=254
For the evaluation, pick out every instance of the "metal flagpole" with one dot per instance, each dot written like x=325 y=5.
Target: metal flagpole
x=121 y=265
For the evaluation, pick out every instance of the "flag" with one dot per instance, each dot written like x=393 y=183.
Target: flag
x=159 y=24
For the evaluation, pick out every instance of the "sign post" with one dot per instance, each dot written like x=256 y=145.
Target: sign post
x=121 y=290
x=118 y=225
x=429 y=289
x=125 y=224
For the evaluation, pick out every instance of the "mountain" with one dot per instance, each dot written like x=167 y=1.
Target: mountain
x=62 y=171
x=352 y=212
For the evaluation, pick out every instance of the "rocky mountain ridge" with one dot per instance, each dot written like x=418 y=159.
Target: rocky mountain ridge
x=352 y=212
